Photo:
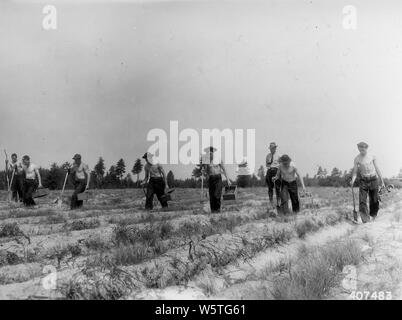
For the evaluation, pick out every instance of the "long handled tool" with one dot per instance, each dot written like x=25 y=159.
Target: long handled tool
x=202 y=186
x=8 y=181
x=9 y=192
x=59 y=200
x=354 y=207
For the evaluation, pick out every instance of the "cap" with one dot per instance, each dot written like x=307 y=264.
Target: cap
x=25 y=157
x=362 y=145
x=285 y=158
x=273 y=144
x=77 y=156
x=147 y=155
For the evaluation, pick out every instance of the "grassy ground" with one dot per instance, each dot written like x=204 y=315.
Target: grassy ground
x=113 y=249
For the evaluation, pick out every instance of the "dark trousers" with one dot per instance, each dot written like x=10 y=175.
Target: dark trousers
x=17 y=188
x=29 y=187
x=79 y=187
x=273 y=185
x=155 y=186
x=289 y=189
x=215 y=186
x=368 y=186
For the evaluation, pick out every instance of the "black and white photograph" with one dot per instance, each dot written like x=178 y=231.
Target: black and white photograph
x=206 y=152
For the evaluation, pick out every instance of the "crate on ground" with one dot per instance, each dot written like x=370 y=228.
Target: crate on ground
x=230 y=193
x=40 y=192
x=168 y=194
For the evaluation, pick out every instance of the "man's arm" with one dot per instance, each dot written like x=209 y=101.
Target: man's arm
x=354 y=173
x=88 y=174
x=267 y=161
x=300 y=178
x=146 y=175
x=163 y=175
x=377 y=169
x=39 y=177
x=224 y=172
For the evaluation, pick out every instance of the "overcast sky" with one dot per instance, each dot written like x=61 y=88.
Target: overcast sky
x=113 y=70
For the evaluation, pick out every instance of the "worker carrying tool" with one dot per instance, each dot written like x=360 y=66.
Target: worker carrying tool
x=31 y=173
x=81 y=177
x=155 y=181
x=272 y=164
x=366 y=166
x=215 y=185
x=288 y=174
x=16 y=187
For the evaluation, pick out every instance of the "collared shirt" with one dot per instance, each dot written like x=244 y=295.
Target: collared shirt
x=17 y=166
x=272 y=161
x=80 y=171
x=365 y=165
x=30 y=171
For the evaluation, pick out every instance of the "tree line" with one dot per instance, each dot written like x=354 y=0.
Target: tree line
x=119 y=176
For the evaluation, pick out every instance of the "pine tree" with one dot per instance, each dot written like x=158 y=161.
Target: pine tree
x=99 y=172
x=54 y=177
x=120 y=169
x=137 y=168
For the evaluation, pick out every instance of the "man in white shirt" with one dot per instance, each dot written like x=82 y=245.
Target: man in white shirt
x=15 y=167
x=366 y=166
x=81 y=178
x=272 y=164
x=31 y=173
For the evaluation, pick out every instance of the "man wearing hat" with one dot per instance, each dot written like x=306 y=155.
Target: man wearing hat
x=288 y=174
x=15 y=167
x=31 y=173
x=272 y=164
x=366 y=166
x=81 y=178
x=215 y=185
x=155 y=180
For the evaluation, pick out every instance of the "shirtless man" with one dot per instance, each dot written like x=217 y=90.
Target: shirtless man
x=272 y=164
x=288 y=175
x=31 y=172
x=366 y=165
x=215 y=184
x=81 y=179
x=18 y=180
x=155 y=180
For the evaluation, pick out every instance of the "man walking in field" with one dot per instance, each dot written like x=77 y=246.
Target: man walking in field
x=288 y=175
x=366 y=166
x=31 y=173
x=156 y=182
x=272 y=164
x=15 y=167
x=81 y=179
x=215 y=185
